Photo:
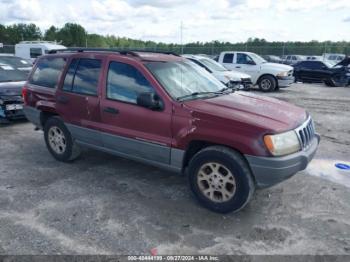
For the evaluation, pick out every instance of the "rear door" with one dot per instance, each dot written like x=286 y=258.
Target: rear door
x=127 y=127
x=228 y=60
x=315 y=71
x=77 y=101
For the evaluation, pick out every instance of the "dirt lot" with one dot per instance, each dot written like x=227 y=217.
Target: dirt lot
x=102 y=204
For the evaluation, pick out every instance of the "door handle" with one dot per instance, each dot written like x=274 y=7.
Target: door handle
x=238 y=67
x=111 y=110
x=62 y=99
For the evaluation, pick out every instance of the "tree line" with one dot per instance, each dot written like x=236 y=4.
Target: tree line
x=75 y=35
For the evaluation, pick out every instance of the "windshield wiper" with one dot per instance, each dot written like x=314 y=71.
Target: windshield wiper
x=194 y=94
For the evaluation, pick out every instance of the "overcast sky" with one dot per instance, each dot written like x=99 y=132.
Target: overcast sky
x=203 y=20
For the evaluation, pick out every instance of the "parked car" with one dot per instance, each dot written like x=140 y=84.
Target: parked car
x=16 y=62
x=269 y=76
x=314 y=57
x=11 y=82
x=321 y=71
x=229 y=78
x=33 y=49
x=333 y=58
x=293 y=59
x=163 y=110
x=272 y=59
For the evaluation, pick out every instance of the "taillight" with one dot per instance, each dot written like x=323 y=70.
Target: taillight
x=25 y=95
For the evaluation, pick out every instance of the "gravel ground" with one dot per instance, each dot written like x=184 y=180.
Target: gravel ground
x=102 y=204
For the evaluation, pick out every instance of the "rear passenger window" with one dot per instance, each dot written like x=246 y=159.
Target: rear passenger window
x=228 y=58
x=47 y=72
x=35 y=52
x=125 y=83
x=82 y=76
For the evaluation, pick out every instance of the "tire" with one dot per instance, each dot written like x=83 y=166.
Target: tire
x=231 y=169
x=334 y=83
x=328 y=83
x=59 y=141
x=267 y=83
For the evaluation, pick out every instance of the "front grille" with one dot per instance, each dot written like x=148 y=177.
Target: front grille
x=306 y=133
x=246 y=80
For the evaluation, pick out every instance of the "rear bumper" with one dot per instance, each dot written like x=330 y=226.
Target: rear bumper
x=11 y=114
x=285 y=81
x=33 y=115
x=269 y=171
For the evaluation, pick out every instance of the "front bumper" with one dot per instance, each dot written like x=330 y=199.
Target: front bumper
x=285 y=81
x=240 y=85
x=269 y=171
x=11 y=108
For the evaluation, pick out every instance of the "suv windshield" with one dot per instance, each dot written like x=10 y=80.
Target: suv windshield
x=212 y=65
x=183 y=78
x=9 y=74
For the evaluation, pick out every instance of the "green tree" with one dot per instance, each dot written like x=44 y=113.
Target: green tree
x=51 y=34
x=72 y=35
x=19 y=32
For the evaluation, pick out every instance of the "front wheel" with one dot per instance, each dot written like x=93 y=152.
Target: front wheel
x=220 y=179
x=333 y=82
x=59 y=140
x=267 y=83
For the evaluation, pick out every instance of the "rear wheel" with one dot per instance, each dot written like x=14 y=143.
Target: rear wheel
x=267 y=83
x=220 y=179
x=59 y=140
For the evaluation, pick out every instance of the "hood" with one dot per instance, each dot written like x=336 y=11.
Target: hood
x=11 y=88
x=344 y=62
x=276 y=67
x=226 y=76
x=268 y=113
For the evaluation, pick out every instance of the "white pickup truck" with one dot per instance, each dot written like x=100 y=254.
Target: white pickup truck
x=269 y=76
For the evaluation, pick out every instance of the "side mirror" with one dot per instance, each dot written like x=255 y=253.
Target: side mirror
x=149 y=100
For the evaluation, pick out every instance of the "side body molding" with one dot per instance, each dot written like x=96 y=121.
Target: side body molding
x=138 y=150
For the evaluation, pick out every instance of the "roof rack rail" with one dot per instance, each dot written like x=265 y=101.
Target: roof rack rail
x=132 y=52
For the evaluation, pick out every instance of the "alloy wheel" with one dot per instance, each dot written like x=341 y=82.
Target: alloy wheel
x=216 y=182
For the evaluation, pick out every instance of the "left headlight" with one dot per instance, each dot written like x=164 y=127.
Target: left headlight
x=282 y=74
x=282 y=144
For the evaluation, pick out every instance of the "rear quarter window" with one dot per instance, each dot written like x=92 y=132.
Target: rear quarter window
x=48 y=72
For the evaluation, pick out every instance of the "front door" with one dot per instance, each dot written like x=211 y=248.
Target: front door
x=245 y=64
x=78 y=99
x=127 y=127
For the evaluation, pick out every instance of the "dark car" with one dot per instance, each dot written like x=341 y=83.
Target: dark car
x=320 y=71
x=16 y=62
x=11 y=83
x=163 y=110
x=273 y=59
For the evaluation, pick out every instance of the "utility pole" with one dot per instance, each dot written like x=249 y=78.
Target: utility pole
x=284 y=47
x=182 y=46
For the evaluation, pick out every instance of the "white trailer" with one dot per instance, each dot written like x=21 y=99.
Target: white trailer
x=33 y=49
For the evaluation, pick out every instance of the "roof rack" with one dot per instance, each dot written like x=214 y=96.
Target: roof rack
x=132 y=52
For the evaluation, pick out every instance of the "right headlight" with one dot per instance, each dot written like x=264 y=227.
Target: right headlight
x=282 y=144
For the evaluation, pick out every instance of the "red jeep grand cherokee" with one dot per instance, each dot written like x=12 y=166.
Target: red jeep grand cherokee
x=162 y=109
